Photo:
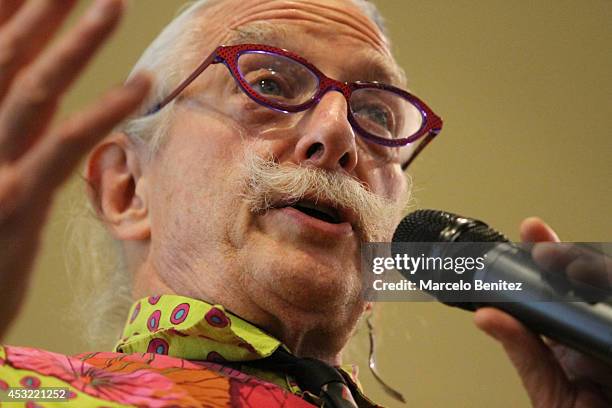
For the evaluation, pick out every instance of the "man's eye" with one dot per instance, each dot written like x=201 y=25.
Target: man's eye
x=268 y=86
x=270 y=83
x=377 y=115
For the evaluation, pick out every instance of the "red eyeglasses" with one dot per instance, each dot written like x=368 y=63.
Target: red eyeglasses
x=283 y=81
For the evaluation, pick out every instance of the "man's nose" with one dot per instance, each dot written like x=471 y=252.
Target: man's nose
x=327 y=139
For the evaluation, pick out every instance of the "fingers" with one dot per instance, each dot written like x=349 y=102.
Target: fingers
x=8 y=8
x=592 y=269
x=33 y=99
x=535 y=363
x=54 y=158
x=534 y=229
x=580 y=264
x=580 y=367
x=577 y=263
x=29 y=31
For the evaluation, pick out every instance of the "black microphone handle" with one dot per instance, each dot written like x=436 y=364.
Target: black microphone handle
x=565 y=318
x=547 y=308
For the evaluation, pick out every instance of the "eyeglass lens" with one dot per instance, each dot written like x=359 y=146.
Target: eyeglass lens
x=278 y=78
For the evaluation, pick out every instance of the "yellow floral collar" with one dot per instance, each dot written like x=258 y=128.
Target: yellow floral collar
x=193 y=330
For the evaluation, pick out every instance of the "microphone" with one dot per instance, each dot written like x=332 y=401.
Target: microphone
x=564 y=316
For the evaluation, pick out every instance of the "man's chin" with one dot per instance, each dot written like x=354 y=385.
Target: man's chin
x=306 y=277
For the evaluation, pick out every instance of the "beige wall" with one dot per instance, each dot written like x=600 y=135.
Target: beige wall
x=526 y=93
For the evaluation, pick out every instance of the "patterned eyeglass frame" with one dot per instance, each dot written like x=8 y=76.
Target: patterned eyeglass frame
x=228 y=55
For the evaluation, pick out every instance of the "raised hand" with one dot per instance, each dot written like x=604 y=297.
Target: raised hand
x=35 y=157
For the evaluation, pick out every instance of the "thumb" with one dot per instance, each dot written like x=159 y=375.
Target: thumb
x=542 y=376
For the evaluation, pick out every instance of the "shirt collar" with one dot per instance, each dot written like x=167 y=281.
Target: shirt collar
x=193 y=330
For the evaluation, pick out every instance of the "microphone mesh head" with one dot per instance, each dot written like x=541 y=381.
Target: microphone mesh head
x=482 y=233
x=429 y=225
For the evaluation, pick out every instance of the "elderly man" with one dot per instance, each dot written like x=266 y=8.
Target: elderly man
x=272 y=144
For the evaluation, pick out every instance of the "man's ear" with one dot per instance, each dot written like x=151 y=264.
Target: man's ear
x=118 y=189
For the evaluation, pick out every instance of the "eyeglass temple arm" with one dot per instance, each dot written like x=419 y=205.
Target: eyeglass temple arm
x=211 y=59
x=430 y=136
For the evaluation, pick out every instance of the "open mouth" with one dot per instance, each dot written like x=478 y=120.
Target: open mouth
x=319 y=211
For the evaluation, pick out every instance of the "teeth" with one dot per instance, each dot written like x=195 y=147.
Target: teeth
x=324 y=209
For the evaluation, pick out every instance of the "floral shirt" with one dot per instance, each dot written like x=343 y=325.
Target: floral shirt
x=174 y=352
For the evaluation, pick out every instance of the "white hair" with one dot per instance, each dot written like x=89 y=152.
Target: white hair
x=95 y=261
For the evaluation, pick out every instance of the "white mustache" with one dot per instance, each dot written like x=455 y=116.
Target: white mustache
x=267 y=184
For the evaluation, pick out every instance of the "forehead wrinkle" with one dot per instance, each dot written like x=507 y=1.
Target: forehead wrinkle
x=324 y=13
x=296 y=15
x=376 y=66
x=249 y=23
x=353 y=19
x=282 y=17
x=259 y=32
